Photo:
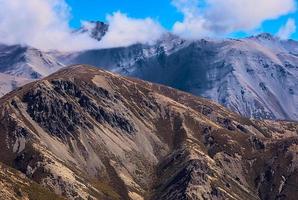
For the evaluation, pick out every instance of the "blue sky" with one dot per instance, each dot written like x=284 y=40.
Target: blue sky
x=160 y=10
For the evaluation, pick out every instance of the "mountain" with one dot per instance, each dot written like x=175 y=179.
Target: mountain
x=9 y=83
x=123 y=60
x=85 y=133
x=21 y=64
x=27 y=62
x=256 y=76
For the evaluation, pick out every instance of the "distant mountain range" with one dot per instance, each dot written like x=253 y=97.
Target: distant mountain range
x=255 y=76
x=85 y=133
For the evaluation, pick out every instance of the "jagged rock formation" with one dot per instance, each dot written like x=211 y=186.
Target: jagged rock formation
x=89 y=134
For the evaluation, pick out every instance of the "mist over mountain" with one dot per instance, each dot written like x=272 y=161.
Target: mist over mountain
x=255 y=76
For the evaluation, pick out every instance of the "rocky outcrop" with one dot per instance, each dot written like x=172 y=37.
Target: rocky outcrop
x=85 y=133
x=15 y=185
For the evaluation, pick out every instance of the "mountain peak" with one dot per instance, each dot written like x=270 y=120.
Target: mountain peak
x=96 y=29
x=265 y=36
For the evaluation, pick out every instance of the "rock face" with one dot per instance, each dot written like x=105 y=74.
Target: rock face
x=85 y=133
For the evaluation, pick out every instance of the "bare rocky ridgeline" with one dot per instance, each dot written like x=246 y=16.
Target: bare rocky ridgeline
x=85 y=133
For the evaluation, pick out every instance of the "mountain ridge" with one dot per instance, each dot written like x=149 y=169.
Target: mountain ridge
x=255 y=76
x=228 y=70
x=88 y=133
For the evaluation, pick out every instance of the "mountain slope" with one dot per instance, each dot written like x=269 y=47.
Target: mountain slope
x=87 y=133
x=255 y=77
x=9 y=83
x=15 y=185
x=27 y=62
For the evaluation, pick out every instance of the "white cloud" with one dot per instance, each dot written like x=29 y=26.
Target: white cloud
x=44 y=24
x=286 y=31
x=40 y=23
x=125 y=31
x=212 y=17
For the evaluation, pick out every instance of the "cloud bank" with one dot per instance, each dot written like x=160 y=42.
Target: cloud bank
x=211 y=17
x=125 y=31
x=286 y=31
x=40 y=23
x=44 y=24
